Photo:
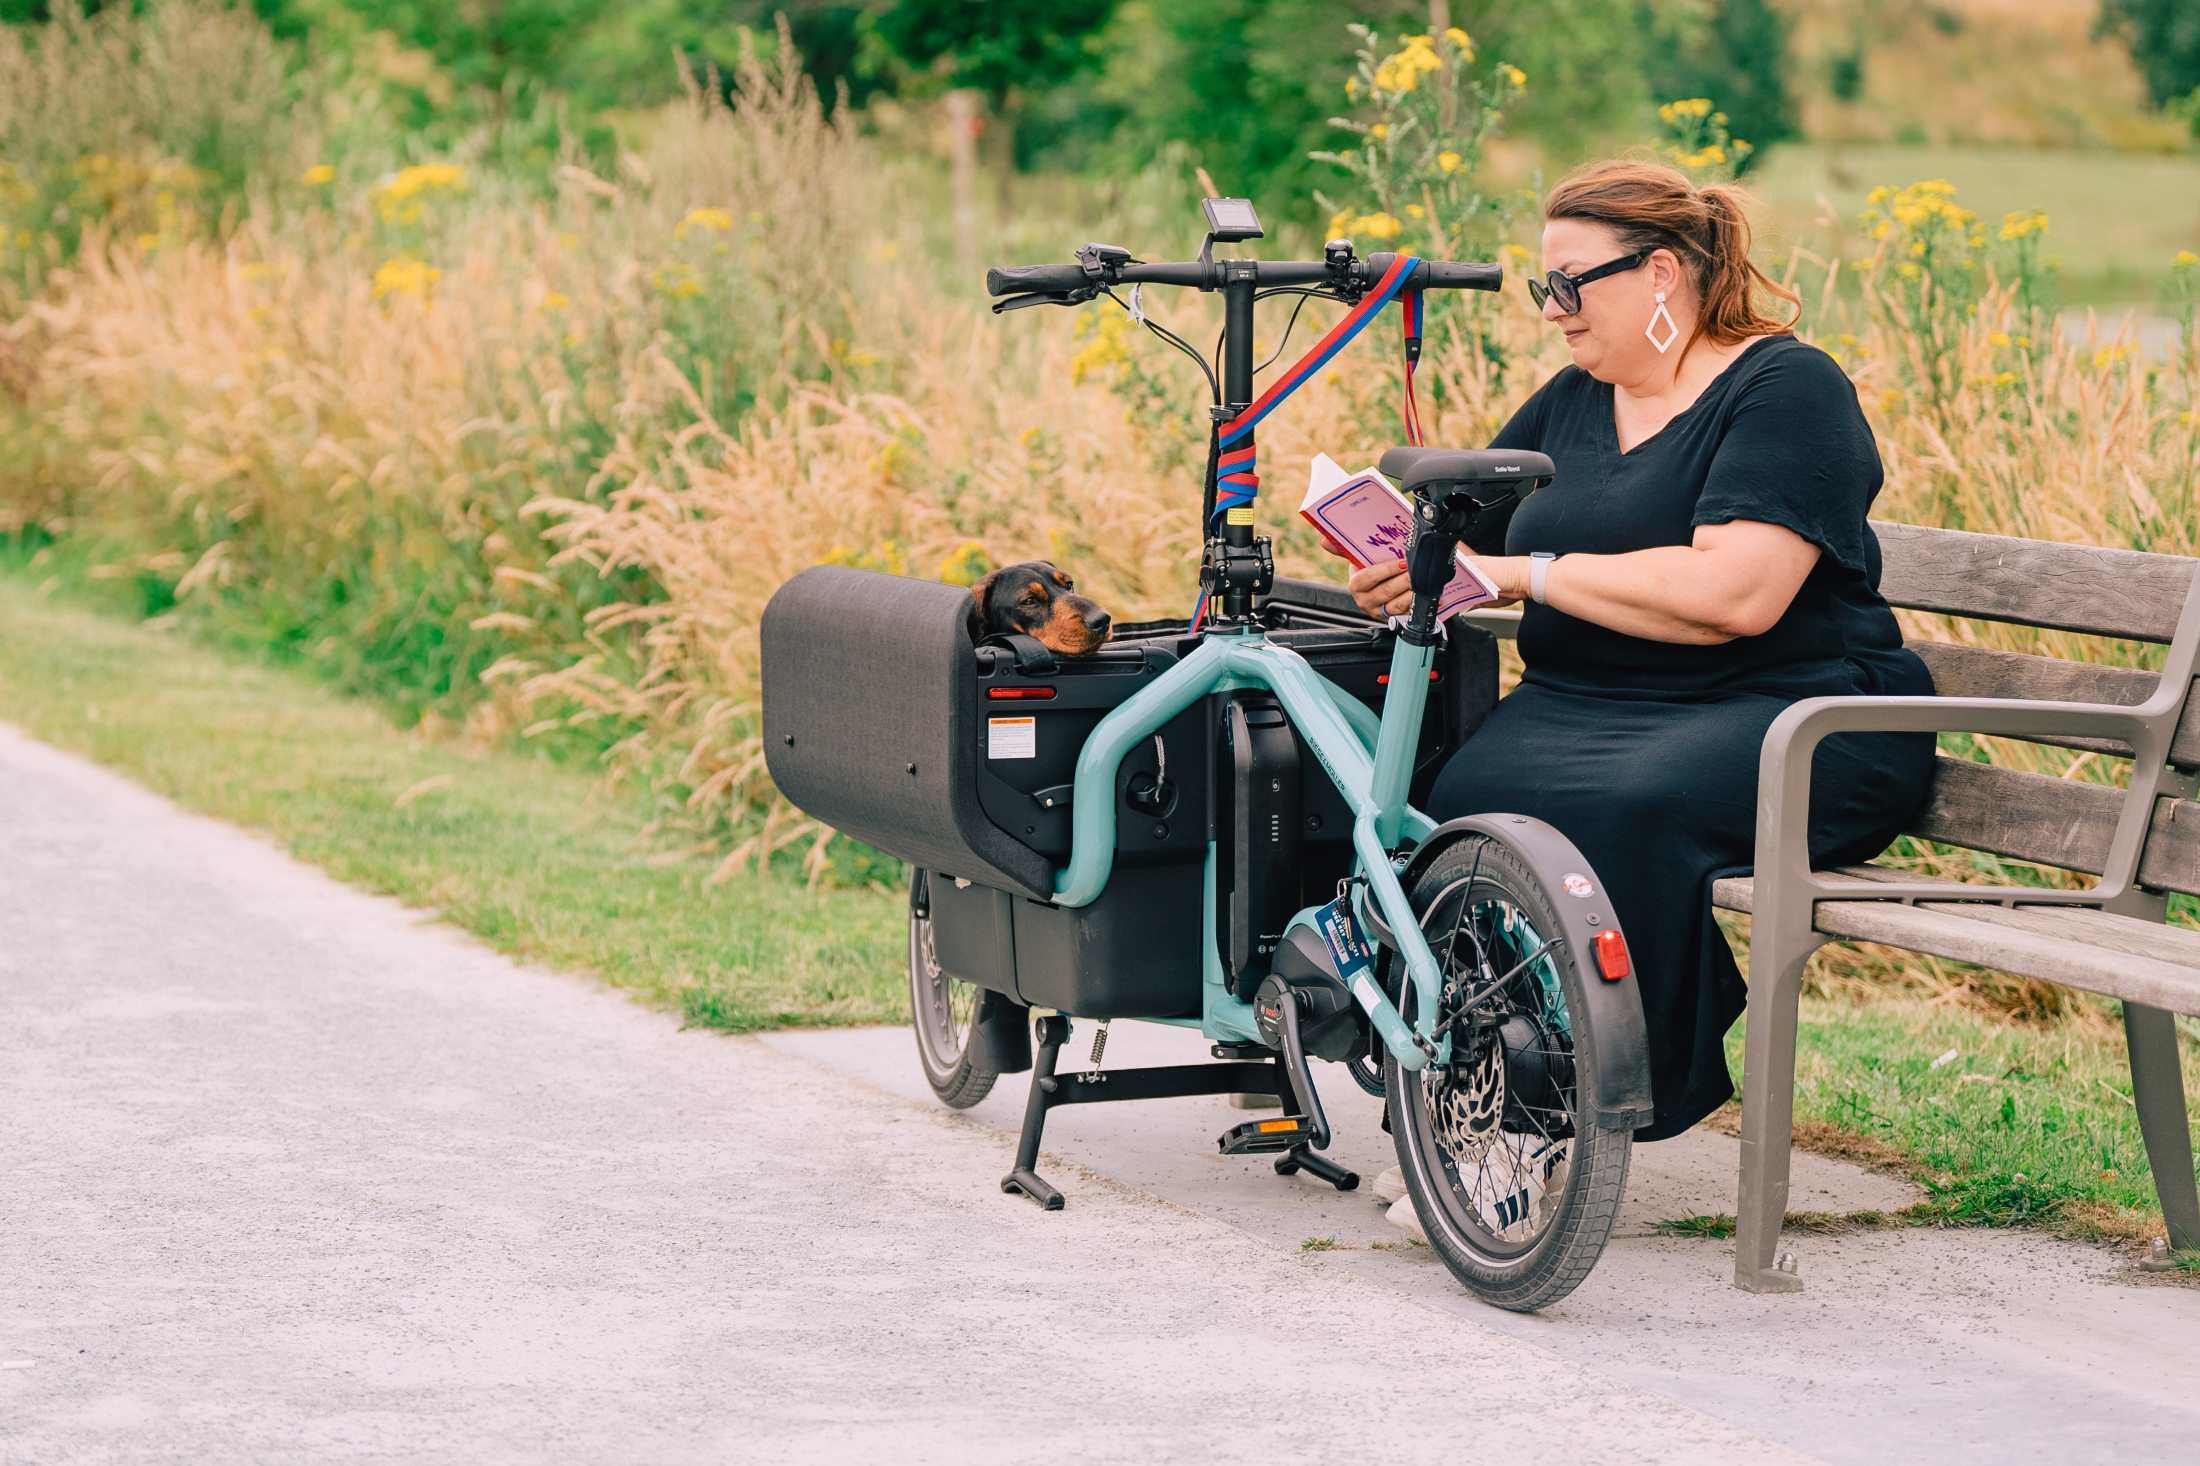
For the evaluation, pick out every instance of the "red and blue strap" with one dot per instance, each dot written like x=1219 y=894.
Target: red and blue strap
x=1237 y=481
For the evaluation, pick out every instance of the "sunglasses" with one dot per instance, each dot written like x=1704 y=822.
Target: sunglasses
x=1566 y=289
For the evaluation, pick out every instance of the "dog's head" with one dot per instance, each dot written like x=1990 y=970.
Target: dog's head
x=1040 y=601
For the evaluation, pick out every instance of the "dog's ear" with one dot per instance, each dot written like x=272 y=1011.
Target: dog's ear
x=979 y=595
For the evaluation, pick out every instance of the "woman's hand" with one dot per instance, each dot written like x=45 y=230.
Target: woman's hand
x=1383 y=589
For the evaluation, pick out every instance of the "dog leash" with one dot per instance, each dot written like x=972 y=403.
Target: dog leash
x=1237 y=469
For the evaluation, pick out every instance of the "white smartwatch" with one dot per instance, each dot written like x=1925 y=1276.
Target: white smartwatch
x=1539 y=565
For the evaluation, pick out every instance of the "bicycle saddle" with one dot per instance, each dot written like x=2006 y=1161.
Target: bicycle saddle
x=1418 y=469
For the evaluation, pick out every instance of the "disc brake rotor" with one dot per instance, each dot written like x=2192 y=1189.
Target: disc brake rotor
x=1467 y=1103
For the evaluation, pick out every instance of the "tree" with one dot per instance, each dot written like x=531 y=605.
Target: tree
x=992 y=46
x=2164 y=36
x=1733 y=51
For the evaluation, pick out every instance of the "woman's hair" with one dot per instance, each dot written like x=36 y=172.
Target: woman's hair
x=1649 y=206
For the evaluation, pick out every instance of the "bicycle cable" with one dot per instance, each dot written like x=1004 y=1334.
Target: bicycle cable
x=1214 y=383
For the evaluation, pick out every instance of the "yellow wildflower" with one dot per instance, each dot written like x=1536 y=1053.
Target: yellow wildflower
x=1107 y=347
x=966 y=564
x=556 y=300
x=718 y=221
x=398 y=198
x=1402 y=71
x=2108 y=356
x=1377 y=226
x=404 y=275
x=1460 y=40
x=2184 y=259
x=2023 y=222
x=1515 y=75
x=1379 y=131
x=676 y=281
x=317 y=175
x=1415 y=211
x=1999 y=340
x=1448 y=161
x=1687 y=109
x=1352 y=88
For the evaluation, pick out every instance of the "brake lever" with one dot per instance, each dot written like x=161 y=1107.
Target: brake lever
x=1049 y=297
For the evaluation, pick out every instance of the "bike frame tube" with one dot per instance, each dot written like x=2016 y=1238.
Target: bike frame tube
x=1373 y=783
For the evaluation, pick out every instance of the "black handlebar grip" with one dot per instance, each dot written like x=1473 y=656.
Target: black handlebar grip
x=1034 y=279
x=1445 y=275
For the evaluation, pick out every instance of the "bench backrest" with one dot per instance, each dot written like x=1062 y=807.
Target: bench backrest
x=2124 y=594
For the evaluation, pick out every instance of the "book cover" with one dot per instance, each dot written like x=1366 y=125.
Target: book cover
x=1372 y=521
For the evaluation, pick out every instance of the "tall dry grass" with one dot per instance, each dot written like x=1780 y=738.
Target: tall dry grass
x=534 y=458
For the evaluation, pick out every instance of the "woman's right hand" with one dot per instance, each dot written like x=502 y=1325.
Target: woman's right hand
x=1382 y=589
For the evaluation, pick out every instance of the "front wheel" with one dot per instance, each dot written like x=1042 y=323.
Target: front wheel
x=944 y=1010
x=1515 y=1182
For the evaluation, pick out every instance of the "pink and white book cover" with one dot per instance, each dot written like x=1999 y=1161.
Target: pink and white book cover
x=1371 y=520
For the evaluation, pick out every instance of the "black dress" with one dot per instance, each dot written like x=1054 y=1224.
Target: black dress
x=1644 y=752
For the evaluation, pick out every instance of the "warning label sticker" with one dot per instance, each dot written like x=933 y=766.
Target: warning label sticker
x=1012 y=737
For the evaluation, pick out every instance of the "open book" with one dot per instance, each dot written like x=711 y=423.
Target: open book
x=1371 y=521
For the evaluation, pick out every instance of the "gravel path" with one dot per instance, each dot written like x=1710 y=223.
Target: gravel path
x=289 y=1172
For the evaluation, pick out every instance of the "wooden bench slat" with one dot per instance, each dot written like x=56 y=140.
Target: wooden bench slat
x=1977 y=671
x=2084 y=588
x=2020 y=815
x=2118 y=956
x=1960 y=937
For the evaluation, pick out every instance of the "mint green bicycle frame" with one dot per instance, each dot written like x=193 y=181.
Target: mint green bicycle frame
x=1369 y=759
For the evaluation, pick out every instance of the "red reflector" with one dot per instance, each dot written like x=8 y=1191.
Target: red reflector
x=1382 y=679
x=1612 y=955
x=1010 y=694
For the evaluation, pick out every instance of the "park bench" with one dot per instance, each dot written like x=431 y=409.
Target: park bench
x=2141 y=842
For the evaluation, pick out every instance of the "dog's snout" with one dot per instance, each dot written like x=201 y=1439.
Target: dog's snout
x=1097 y=620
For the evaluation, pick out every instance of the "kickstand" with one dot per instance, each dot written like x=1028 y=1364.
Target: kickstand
x=1299 y=1158
x=1053 y=1031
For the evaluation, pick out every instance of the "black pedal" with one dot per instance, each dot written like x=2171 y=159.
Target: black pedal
x=1258 y=1137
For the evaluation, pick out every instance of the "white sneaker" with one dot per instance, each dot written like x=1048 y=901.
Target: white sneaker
x=1389 y=1186
x=1402 y=1216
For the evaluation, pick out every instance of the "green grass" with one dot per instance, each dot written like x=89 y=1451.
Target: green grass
x=2115 y=218
x=2024 y=1126
x=534 y=857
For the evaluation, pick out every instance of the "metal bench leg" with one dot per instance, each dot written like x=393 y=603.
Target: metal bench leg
x=2158 y=1089
x=1776 y=963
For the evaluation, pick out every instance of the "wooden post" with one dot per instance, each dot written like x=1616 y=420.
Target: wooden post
x=963 y=122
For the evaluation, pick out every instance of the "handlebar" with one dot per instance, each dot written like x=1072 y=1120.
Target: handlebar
x=1354 y=275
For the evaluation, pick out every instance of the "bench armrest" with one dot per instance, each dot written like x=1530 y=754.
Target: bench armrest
x=1784 y=776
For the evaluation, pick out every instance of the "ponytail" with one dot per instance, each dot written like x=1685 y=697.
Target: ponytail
x=1652 y=206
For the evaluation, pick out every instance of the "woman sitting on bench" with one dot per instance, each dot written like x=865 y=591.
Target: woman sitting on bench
x=1701 y=561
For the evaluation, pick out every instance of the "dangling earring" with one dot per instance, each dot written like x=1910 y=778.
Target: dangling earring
x=1671 y=330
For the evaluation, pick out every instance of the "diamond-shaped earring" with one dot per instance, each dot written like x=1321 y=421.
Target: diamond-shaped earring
x=1671 y=329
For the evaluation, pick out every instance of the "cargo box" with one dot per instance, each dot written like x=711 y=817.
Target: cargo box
x=885 y=720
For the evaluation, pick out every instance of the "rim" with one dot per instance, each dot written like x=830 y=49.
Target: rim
x=1496 y=1127
x=945 y=1006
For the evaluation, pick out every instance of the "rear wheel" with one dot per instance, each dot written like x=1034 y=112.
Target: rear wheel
x=944 y=1010
x=1515 y=1183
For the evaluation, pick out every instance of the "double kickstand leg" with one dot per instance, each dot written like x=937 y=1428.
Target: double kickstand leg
x=1237 y=1073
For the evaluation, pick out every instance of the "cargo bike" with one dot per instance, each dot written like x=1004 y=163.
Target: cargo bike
x=1212 y=824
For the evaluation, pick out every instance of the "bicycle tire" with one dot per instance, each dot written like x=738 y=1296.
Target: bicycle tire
x=943 y=1012
x=1566 y=1247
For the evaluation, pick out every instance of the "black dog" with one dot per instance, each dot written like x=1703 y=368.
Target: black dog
x=1038 y=600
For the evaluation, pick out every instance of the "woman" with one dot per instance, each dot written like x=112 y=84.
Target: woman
x=1708 y=563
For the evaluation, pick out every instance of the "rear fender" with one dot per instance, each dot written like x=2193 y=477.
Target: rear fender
x=1612 y=1042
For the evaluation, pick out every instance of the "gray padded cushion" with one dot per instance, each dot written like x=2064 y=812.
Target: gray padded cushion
x=869 y=674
